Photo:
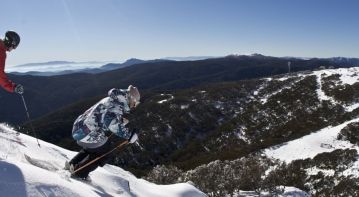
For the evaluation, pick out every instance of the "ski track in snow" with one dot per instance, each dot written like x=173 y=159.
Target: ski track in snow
x=20 y=178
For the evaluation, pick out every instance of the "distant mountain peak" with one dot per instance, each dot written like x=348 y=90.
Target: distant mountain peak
x=254 y=55
x=46 y=63
x=133 y=61
x=189 y=58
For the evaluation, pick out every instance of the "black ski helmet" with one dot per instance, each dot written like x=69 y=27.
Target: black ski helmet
x=12 y=39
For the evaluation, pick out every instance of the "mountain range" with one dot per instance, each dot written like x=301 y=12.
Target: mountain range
x=247 y=124
x=55 y=68
x=45 y=94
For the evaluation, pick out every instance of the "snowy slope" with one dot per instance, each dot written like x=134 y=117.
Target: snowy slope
x=18 y=177
x=325 y=139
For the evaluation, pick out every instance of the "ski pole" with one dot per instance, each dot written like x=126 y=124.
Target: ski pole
x=28 y=116
x=96 y=159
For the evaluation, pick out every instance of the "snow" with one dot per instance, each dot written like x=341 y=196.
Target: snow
x=265 y=98
x=283 y=78
x=184 y=106
x=324 y=140
x=19 y=178
x=351 y=108
x=287 y=192
x=347 y=76
x=311 y=145
x=321 y=95
x=242 y=135
x=166 y=100
x=315 y=171
x=162 y=101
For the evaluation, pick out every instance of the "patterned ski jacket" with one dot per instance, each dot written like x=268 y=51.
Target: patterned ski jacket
x=4 y=81
x=106 y=115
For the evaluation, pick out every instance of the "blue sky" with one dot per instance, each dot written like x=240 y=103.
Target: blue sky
x=115 y=30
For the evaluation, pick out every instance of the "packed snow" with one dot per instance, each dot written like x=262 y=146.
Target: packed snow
x=287 y=192
x=171 y=97
x=324 y=140
x=347 y=76
x=321 y=95
x=43 y=174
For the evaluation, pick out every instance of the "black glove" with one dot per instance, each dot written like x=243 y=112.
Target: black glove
x=19 y=89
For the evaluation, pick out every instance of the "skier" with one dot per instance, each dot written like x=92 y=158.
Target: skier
x=9 y=43
x=92 y=128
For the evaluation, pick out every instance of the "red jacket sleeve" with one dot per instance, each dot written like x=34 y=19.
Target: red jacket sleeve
x=4 y=81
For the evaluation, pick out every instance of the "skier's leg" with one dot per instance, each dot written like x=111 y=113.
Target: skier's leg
x=104 y=149
x=83 y=173
x=100 y=152
x=93 y=154
x=79 y=157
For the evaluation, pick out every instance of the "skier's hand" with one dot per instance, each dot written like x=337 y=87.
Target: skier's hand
x=19 y=89
x=125 y=121
x=133 y=138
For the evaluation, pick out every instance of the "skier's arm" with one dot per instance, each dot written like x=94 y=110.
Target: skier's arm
x=4 y=81
x=118 y=127
x=113 y=119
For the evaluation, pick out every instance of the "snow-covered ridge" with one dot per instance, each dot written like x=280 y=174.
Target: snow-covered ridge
x=347 y=76
x=20 y=178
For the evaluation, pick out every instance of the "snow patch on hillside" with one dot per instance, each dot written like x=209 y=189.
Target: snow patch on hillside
x=347 y=76
x=171 y=97
x=321 y=94
x=311 y=145
x=287 y=192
